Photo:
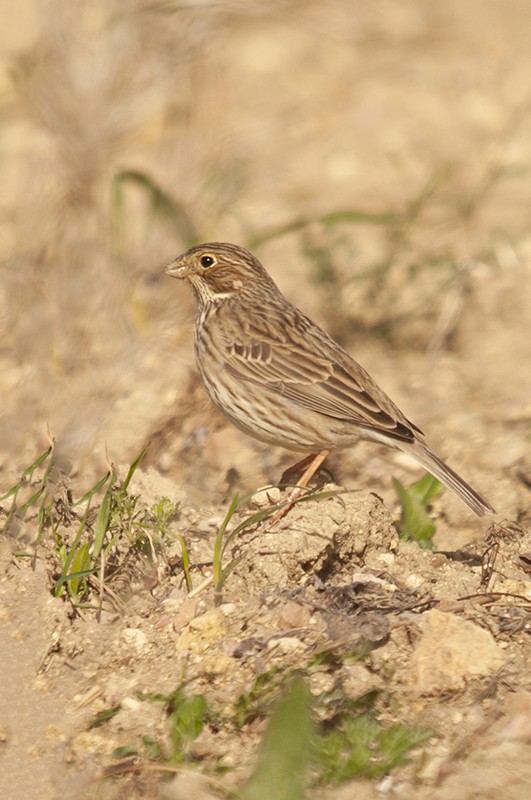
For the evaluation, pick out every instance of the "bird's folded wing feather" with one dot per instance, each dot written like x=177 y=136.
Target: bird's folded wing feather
x=309 y=370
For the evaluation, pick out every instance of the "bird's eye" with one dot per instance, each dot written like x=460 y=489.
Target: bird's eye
x=207 y=261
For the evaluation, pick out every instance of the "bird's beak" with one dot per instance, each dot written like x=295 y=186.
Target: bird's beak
x=177 y=269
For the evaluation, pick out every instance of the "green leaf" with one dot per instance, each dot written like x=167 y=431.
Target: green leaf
x=415 y=522
x=122 y=752
x=151 y=748
x=102 y=520
x=133 y=468
x=186 y=719
x=284 y=753
x=396 y=742
x=219 y=545
x=103 y=716
x=186 y=564
x=91 y=492
x=32 y=500
x=81 y=567
x=67 y=557
x=71 y=577
x=426 y=489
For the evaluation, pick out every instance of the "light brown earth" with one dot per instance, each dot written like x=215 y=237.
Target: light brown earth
x=257 y=123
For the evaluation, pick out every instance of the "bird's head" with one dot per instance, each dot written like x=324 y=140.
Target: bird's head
x=216 y=270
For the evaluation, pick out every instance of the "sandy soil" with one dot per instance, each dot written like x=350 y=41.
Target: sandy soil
x=376 y=158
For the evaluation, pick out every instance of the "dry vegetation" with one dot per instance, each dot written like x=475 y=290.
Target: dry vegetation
x=377 y=157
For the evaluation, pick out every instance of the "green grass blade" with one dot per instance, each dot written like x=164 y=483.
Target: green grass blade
x=91 y=492
x=226 y=571
x=426 y=489
x=72 y=576
x=284 y=753
x=186 y=564
x=218 y=544
x=265 y=513
x=32 y=500
x=102 y=520
x=103 y=716
x=332 y=218
x=67 y=563
x=133 y=468
x=28 y=472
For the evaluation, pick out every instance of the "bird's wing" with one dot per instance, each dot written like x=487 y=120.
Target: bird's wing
x=307 y=367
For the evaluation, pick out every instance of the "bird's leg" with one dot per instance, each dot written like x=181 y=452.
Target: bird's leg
x=312 y=468
x=291 y=474
x=312 y=464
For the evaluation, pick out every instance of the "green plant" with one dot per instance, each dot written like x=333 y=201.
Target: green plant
x=186 y=715
x=104 y=716
x=415 y=522
x=258 y=700
x=283 y=759
x=16 y=510
x=116 y=518
x=349 y=741
x=186 y=718
x=93 y=544
x=360 y=746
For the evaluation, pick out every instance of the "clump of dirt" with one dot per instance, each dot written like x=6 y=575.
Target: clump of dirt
x=351 y=529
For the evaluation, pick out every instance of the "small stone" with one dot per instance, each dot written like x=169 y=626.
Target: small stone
x=357 y=681
x=294 y=615
x=202 y=632
x=172 y=604
x=285 y=645
x=227 y=609
x=187 y=785
x=321 y=683
x=268 y=496
x=211 y=622
x=518 y=729
x=185 y=612
x=450 y=652
x=217 y=664
x=179 y=622
x=135 y=638
x=130 y=703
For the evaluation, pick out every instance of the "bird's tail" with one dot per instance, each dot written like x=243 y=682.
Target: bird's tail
x=448 y=477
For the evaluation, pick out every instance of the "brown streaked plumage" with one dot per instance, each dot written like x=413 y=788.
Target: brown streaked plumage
x=280 y=378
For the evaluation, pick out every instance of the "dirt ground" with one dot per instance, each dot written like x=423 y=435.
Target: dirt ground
x=377 y=158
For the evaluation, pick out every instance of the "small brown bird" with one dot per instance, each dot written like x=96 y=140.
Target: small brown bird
x=280 y=378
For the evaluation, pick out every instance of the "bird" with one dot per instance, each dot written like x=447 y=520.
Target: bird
x=280 y=378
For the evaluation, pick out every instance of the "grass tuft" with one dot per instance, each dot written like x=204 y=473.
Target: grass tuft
x=93 y=539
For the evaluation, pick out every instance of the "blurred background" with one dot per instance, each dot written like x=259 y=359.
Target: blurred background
x=375 y=156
